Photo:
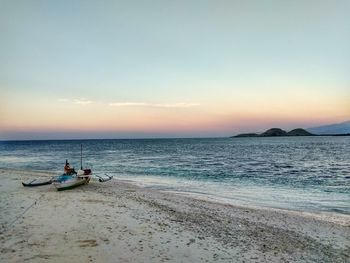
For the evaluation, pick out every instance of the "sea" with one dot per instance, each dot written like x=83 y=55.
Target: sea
x=310 y=174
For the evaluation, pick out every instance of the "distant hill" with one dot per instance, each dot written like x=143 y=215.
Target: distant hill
x=338 y=128
x=274 y=132
x=299 y=132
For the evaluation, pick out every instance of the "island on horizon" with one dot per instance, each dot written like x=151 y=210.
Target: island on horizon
x=277 y=132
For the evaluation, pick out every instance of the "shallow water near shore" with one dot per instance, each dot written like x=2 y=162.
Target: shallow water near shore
x=296 y=173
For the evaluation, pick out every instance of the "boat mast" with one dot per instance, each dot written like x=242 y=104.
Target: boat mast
x=81 y=156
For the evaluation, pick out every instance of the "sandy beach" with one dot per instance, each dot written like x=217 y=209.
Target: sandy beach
x=118 y=221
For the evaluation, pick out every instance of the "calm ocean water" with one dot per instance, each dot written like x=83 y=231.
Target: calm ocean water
x=297 y=173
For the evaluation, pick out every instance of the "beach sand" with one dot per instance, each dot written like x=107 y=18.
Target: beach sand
x=118 y=221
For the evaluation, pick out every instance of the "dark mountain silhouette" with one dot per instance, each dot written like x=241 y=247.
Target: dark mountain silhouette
x=275 y=132
x=299 y=132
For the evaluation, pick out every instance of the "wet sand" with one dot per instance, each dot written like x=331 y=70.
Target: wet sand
x=118 y=221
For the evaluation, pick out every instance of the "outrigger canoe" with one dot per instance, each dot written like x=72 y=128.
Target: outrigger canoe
x=66 y=182
x=71 y=183
x=72 y=180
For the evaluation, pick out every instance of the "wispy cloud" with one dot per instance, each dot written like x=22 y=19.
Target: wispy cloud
x=80 y=101
x=84 y=101
x=155 y=105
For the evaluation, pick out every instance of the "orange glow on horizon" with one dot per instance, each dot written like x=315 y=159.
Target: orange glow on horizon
x=247 y=114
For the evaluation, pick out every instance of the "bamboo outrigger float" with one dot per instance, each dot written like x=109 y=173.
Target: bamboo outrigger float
x=38 y=182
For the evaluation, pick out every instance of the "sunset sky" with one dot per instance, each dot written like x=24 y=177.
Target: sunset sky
x=133 y=69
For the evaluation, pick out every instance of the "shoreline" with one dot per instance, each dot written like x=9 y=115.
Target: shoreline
x=339 y=218
x=335 y=217
x=135 y=224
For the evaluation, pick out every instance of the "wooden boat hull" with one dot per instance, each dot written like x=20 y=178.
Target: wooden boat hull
x=71 y=183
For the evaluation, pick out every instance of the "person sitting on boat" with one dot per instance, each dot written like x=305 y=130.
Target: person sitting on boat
x=69 y=170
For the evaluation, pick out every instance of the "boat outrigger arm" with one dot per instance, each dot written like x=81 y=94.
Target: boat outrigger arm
x=102 y=180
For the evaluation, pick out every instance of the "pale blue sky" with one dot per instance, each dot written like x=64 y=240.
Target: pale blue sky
x=217 y=54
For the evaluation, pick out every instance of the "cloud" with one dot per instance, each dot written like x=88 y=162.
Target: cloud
x=80 y=101
x=126 y=104
x=84 y=101
x=154 y=105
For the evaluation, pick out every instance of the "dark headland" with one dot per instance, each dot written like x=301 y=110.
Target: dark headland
x=274 y=132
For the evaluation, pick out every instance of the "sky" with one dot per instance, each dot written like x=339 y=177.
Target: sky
x=144 y=69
